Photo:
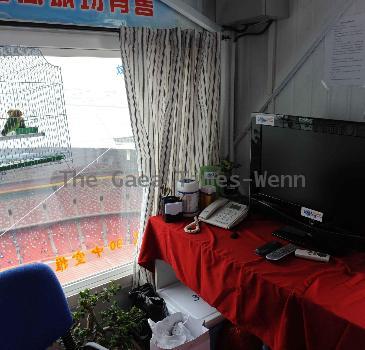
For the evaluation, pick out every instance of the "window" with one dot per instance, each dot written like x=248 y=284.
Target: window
x=77 y=215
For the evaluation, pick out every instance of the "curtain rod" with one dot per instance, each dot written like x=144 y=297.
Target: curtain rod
x=193 y=15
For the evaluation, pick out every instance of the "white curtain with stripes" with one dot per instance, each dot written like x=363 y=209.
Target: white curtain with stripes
x=172 y=79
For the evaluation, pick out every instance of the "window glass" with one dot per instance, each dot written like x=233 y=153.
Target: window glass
x=70 y=206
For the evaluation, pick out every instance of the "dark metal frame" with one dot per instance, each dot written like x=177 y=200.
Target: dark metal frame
x=56 y=26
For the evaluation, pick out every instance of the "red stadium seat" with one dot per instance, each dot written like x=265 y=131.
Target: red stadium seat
x=117 y=227
x=61 y=205
x=8 y=255
x=72 y=218
x=66 y=237
x=92 y=232
x=4 y=216
x=34 y=245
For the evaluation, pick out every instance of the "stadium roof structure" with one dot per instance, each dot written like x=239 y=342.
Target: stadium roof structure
x=125 y=143
x=33 y=86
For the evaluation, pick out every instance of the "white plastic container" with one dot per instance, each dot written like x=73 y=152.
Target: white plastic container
x=188 y=190
x=180 y=298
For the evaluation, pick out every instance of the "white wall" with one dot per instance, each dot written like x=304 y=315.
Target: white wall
x=307 y=94
x=206 y=7
x=260 y=70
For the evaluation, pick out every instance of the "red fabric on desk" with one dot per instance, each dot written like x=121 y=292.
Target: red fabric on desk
x=295 y=304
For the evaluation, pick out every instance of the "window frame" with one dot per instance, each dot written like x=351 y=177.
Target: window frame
x=122 y=275
x=73 y=41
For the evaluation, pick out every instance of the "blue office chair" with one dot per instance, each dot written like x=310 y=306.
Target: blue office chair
x=34 y=310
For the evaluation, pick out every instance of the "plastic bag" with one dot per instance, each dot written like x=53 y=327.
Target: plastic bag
x=170 y=332
x=179 y=331
x=146 y=299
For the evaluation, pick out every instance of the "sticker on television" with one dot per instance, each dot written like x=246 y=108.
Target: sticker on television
x=262 y=119
x=312 y=214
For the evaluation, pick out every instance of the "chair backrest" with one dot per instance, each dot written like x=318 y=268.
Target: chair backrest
x=33 y=308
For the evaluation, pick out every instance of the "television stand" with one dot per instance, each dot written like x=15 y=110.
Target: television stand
x=308 y=240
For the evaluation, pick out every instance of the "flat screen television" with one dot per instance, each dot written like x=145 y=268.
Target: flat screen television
x=313 y=171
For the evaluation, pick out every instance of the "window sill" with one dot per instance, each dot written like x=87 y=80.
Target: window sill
x=121 y=275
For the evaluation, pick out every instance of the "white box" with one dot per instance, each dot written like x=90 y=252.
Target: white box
x=180 y=298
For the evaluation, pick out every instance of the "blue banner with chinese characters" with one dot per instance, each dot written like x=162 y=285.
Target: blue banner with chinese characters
x=93 y=13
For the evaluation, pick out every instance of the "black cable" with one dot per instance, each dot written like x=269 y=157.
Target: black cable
x=242 y=30
x=269 y=23
x=226 y=37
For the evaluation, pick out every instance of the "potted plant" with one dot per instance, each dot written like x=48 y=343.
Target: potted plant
x=114 y=327
x=227 y=167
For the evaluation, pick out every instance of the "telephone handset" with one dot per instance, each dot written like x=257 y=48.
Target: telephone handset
x=224 y=213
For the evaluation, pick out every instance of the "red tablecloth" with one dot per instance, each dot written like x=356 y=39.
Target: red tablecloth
x=295 y=304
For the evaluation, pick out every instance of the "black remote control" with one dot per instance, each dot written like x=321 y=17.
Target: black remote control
x=268 y=248
x=281 y=252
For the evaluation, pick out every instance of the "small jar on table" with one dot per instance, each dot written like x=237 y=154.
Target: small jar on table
x=207 y=196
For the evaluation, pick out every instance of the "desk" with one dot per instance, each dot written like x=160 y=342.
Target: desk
x=295 y=304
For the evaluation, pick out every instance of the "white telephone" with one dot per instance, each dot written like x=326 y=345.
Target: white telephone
x=224 y=213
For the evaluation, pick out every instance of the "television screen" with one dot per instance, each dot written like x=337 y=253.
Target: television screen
x=314 y=168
